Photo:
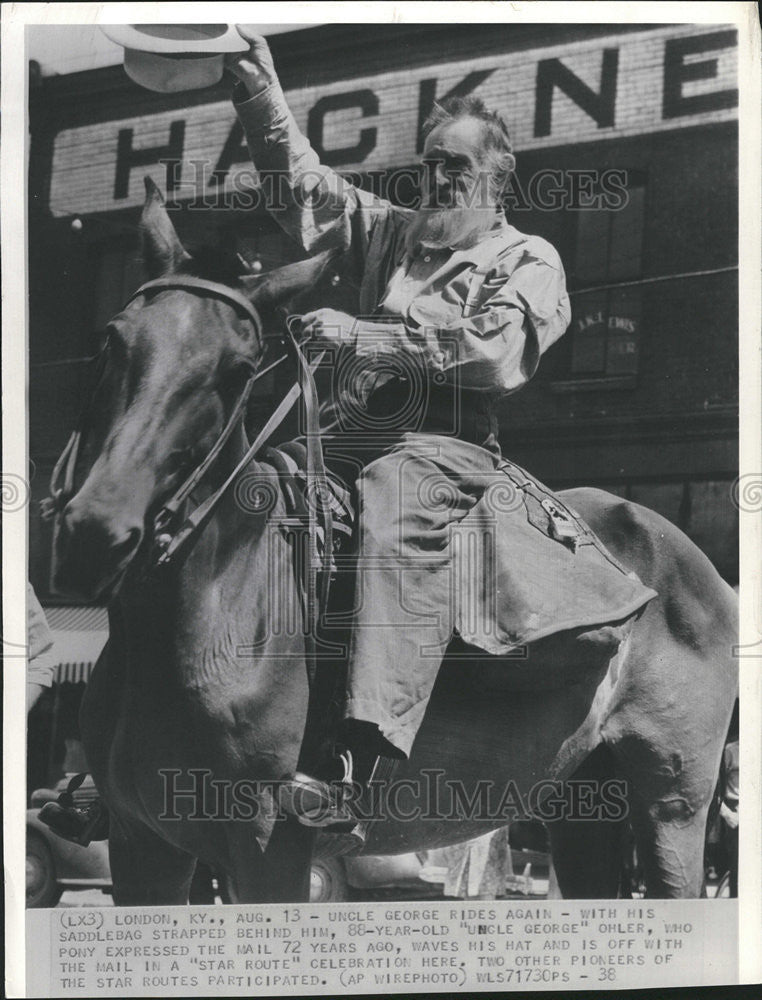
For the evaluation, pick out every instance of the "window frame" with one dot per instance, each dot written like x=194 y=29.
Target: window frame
x=608 y=290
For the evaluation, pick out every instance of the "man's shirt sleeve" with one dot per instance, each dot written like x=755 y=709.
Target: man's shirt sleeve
x=522 y=309
x=311 y=203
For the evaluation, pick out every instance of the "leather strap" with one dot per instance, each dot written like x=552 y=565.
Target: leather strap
x=196 y=521
x=172 y=506
x=188 y=282
x=318 y=496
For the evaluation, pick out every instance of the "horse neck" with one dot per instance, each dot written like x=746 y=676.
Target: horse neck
x=216 y=618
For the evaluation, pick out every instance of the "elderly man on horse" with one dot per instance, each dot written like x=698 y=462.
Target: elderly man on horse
x=454 y=309
x=496 y=636
x=462 y=305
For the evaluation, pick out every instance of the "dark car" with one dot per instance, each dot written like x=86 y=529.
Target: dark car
x=54 y=864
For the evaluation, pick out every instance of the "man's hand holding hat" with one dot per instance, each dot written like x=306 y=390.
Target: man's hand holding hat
x=255 y=68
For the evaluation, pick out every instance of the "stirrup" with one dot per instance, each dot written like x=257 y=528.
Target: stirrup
x=348 y=763
x=318 y=803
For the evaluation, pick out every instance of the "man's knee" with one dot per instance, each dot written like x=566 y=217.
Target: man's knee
x=391 y=504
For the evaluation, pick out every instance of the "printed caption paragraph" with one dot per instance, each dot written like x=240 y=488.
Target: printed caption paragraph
x=379 y=948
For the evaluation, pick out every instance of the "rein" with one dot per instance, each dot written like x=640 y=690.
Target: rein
x=169 y=546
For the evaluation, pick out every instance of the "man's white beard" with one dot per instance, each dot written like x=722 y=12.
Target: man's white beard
x=455 y=227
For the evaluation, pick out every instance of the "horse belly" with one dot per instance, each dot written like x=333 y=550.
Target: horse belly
x=481 y=761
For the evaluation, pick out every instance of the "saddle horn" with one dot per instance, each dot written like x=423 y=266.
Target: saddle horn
x=163 y=252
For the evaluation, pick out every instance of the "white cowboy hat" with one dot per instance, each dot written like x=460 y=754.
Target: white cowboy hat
x=172 y=57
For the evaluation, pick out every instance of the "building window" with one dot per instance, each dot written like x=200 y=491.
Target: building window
x=605 y=327
x=119 y=272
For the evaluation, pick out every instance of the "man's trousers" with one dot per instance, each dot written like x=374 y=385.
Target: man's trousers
x=408 y=500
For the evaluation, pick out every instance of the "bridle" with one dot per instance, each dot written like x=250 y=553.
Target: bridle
x=171 y=539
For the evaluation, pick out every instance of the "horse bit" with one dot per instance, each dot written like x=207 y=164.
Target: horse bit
x=169 y=546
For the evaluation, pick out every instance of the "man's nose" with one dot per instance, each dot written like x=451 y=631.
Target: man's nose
x=439 y=183
x=441 y=178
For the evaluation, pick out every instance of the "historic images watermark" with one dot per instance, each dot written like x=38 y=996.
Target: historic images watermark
x=196 y=795
x=195 y=183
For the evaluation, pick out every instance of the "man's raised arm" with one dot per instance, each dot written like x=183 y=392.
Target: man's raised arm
x=310 y=202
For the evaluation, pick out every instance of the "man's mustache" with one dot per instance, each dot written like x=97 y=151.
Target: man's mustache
x=455 y=227
x=440 y=197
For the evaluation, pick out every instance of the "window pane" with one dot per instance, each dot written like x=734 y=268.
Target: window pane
x=665 y=498
x=626 y=244
x=592 y=250
x=120 y=273
x=713 y=525
x=133 y=276
x=588 y=330
x=108 y=289
x=623 y=331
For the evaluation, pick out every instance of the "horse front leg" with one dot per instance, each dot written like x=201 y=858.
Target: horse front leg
x=146 y=870
x=280 y=873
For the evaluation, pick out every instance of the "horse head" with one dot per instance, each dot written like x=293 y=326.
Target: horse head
x=176 y=360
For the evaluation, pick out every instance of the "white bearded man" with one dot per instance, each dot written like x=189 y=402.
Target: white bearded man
x=454 y=292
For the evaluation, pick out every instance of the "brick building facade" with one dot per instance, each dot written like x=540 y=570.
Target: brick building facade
x=626 y=140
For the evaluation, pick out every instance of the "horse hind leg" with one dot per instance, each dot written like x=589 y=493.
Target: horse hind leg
x=669 y=753
x=670 y=828
x=146 y=870
x=587 y=843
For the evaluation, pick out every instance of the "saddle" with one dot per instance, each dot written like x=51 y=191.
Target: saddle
x=288 y=462
x=526 y=565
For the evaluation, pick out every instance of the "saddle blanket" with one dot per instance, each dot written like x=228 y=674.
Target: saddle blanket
x=525 y=565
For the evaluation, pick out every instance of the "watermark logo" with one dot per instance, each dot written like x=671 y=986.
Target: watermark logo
x=196 y=183
x=196 y=795
x=14 y=492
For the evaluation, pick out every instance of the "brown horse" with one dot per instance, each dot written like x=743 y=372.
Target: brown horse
x=197 y=688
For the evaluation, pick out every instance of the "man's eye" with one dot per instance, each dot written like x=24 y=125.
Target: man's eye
x=456 y=166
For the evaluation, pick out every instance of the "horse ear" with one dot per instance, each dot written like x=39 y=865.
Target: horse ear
x=162 y=250
x=284 y=283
